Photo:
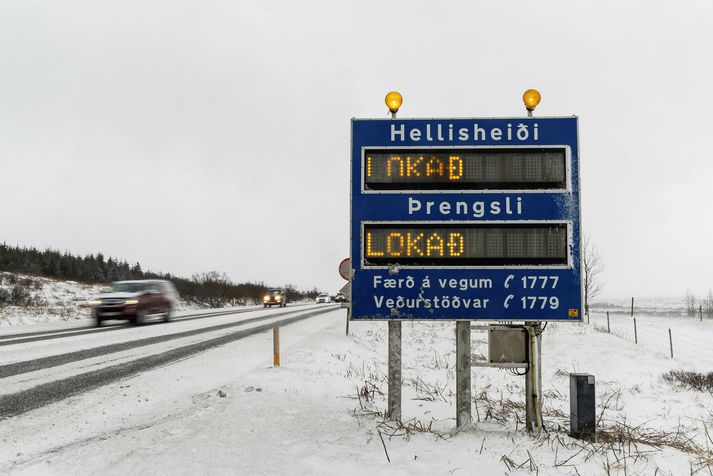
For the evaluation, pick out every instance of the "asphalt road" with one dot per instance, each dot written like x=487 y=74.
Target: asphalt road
x=13 y=403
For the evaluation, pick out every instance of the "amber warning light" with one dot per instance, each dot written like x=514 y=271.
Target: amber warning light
x=531 y=98
x=393 y=101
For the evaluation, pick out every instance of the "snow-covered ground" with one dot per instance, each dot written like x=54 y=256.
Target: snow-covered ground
x=228 y=411
x=51 y=300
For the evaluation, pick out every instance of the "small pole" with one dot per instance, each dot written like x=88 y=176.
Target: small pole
x=276 y=346
x=700 y=312
x=636 y=337
x=608 y=326
x=463 y=380
x=538 y=408
x=632 y=307
x=670 y=342
x=394 y=398
x=533 y=379
x=349 y=310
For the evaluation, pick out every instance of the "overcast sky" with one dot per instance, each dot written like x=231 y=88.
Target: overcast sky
x=195 y=136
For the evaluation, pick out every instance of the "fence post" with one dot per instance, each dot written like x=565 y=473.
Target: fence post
x=608 y=326
x=632 y=307
x=670 y=342
x=636 y=336
x=700 y=312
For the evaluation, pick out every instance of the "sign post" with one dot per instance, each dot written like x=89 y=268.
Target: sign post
x=463 y=387
x=466 y=220
x=345 y=271
x=393 y=410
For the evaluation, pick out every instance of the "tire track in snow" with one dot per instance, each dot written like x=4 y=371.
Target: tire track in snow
x=11 y=339
x=21 y=402
x=25 y=366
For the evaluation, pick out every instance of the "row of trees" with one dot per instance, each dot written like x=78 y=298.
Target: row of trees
x=212 y=289
x=693 y=306
x=215 y=289
x=53 y=264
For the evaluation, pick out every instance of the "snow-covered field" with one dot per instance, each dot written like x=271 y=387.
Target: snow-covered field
x=650 y=306
x=50 y=300
x=228 y=411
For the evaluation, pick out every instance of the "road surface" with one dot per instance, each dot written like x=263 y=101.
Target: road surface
x=42 y=367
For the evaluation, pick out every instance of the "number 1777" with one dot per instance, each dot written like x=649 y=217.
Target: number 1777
x=542 y=282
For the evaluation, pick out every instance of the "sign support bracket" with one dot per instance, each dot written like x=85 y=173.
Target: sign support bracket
x=533 y=378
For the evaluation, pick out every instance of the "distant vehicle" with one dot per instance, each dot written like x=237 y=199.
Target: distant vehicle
x=340 y=298
x=323 y=298
x=136 y=301
x=275 y=297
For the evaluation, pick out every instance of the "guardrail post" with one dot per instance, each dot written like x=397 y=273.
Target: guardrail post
x=636 y=336
x=608 y=326
x=670 y=342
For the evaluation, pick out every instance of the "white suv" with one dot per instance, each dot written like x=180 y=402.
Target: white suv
x=323 y=298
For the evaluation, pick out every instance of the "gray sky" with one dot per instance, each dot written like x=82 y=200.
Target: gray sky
x=193 y=136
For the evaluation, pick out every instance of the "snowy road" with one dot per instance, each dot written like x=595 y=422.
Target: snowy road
x=46 y=366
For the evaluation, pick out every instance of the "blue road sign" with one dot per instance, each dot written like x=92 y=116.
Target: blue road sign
x=465 y=219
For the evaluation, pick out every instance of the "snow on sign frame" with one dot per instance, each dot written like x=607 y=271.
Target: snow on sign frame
x=466 y=219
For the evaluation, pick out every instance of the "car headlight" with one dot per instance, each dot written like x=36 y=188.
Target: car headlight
x=278 y=298
x=131 y=301
x=95 y=302
x=266 y=298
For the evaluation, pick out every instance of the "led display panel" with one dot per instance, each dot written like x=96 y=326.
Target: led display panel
x=465 y=169
x=472 y=244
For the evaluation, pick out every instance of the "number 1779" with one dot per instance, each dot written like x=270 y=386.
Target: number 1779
x=540 y=302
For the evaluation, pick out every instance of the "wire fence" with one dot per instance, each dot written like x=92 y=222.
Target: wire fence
x=685 y=339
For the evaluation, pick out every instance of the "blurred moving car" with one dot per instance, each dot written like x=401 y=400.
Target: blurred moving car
x=277 y=296
x=136 y=301
x=340 y=298
x=323 y=298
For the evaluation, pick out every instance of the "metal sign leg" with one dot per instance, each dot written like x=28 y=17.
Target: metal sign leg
x=394 y=405
x=533 y=379
x=463 y=377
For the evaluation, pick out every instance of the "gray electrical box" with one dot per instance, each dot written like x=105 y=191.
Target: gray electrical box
x=507 y=345
x=582 y=407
